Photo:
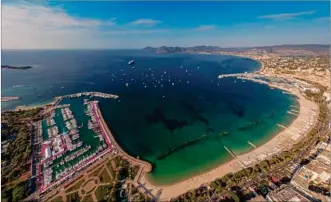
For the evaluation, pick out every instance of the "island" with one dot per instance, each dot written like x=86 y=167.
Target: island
x=15 y=67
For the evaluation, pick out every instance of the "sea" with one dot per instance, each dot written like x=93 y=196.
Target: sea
x=172 y=110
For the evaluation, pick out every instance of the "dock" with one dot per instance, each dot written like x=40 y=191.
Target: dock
x=251 y=144
x=289 y=112
x=280 y=125
x=295 y=106
x=235 y=157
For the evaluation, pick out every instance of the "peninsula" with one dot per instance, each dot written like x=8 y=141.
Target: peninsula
x=9 y=98
x=15 y=67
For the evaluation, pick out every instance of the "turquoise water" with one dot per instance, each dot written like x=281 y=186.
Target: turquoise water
x=165 y=100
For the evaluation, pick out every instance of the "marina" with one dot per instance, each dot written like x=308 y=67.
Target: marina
x=67 y=146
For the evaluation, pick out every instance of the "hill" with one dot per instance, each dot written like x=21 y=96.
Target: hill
x=286 y=49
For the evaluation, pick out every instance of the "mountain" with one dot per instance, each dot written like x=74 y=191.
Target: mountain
x=286 y=49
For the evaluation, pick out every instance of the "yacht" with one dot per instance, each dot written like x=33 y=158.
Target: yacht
x=131 y=62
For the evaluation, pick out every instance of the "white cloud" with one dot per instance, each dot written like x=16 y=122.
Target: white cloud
x=146 y=22
x=205 y=27
x=286 y=16
x=27 y=26
x=128 y=32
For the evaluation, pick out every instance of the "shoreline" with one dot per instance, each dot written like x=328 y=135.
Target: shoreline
x=57 y=99
x=248 y=158
x=279 y=142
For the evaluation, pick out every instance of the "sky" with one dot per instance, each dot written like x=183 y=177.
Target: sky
x=38 y=24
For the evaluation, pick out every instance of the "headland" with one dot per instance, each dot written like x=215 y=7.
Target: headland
x=9 y=98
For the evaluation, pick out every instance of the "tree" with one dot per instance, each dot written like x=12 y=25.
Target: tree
x=234 y=196
x=18 y=193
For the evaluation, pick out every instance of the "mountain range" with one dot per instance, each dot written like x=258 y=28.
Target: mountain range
x=287 y=49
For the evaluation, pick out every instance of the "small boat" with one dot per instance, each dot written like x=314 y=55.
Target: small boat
x=131 y=62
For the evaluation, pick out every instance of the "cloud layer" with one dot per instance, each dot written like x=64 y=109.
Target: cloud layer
x=286 y=16
x=146 y=22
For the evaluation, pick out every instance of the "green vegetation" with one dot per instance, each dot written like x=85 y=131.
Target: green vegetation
x=15 y=164
x=105 y=192
x=74 y=197
x=76 y=186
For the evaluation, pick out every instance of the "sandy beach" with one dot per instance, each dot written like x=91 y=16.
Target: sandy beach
x=306 y=118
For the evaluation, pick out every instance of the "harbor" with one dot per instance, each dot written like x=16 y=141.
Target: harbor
x=72 y=139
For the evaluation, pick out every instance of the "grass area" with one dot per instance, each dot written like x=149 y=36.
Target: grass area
x=87 y=198
x=57 y=199
x=110 y=167
x=104 y=176
x=74 y=197
x=102 y=191
x=76 y=186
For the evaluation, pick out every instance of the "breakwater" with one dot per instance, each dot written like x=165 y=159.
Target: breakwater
x=91 y=94
x=181 y=146
x=250 y=125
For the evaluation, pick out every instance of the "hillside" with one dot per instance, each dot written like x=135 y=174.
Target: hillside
x=287 y=49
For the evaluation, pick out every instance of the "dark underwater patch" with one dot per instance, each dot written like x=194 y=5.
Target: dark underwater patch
x=171 y=124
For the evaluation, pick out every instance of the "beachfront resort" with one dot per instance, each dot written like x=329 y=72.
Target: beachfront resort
x=70 y=143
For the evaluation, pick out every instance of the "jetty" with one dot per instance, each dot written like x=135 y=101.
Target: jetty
x=292 y=113
x=235 y=157
x=280 y=125
x=251 y=144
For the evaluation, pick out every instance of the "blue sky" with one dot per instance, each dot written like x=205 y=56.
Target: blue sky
x=109 y=24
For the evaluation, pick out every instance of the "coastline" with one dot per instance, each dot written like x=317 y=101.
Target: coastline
x=281 y=141
x=249 y=157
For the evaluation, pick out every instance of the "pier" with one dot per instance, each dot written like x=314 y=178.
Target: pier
x=235 y=157
x=295 y=106
x=289 y=112
x=251 y=144
x=281 y=126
